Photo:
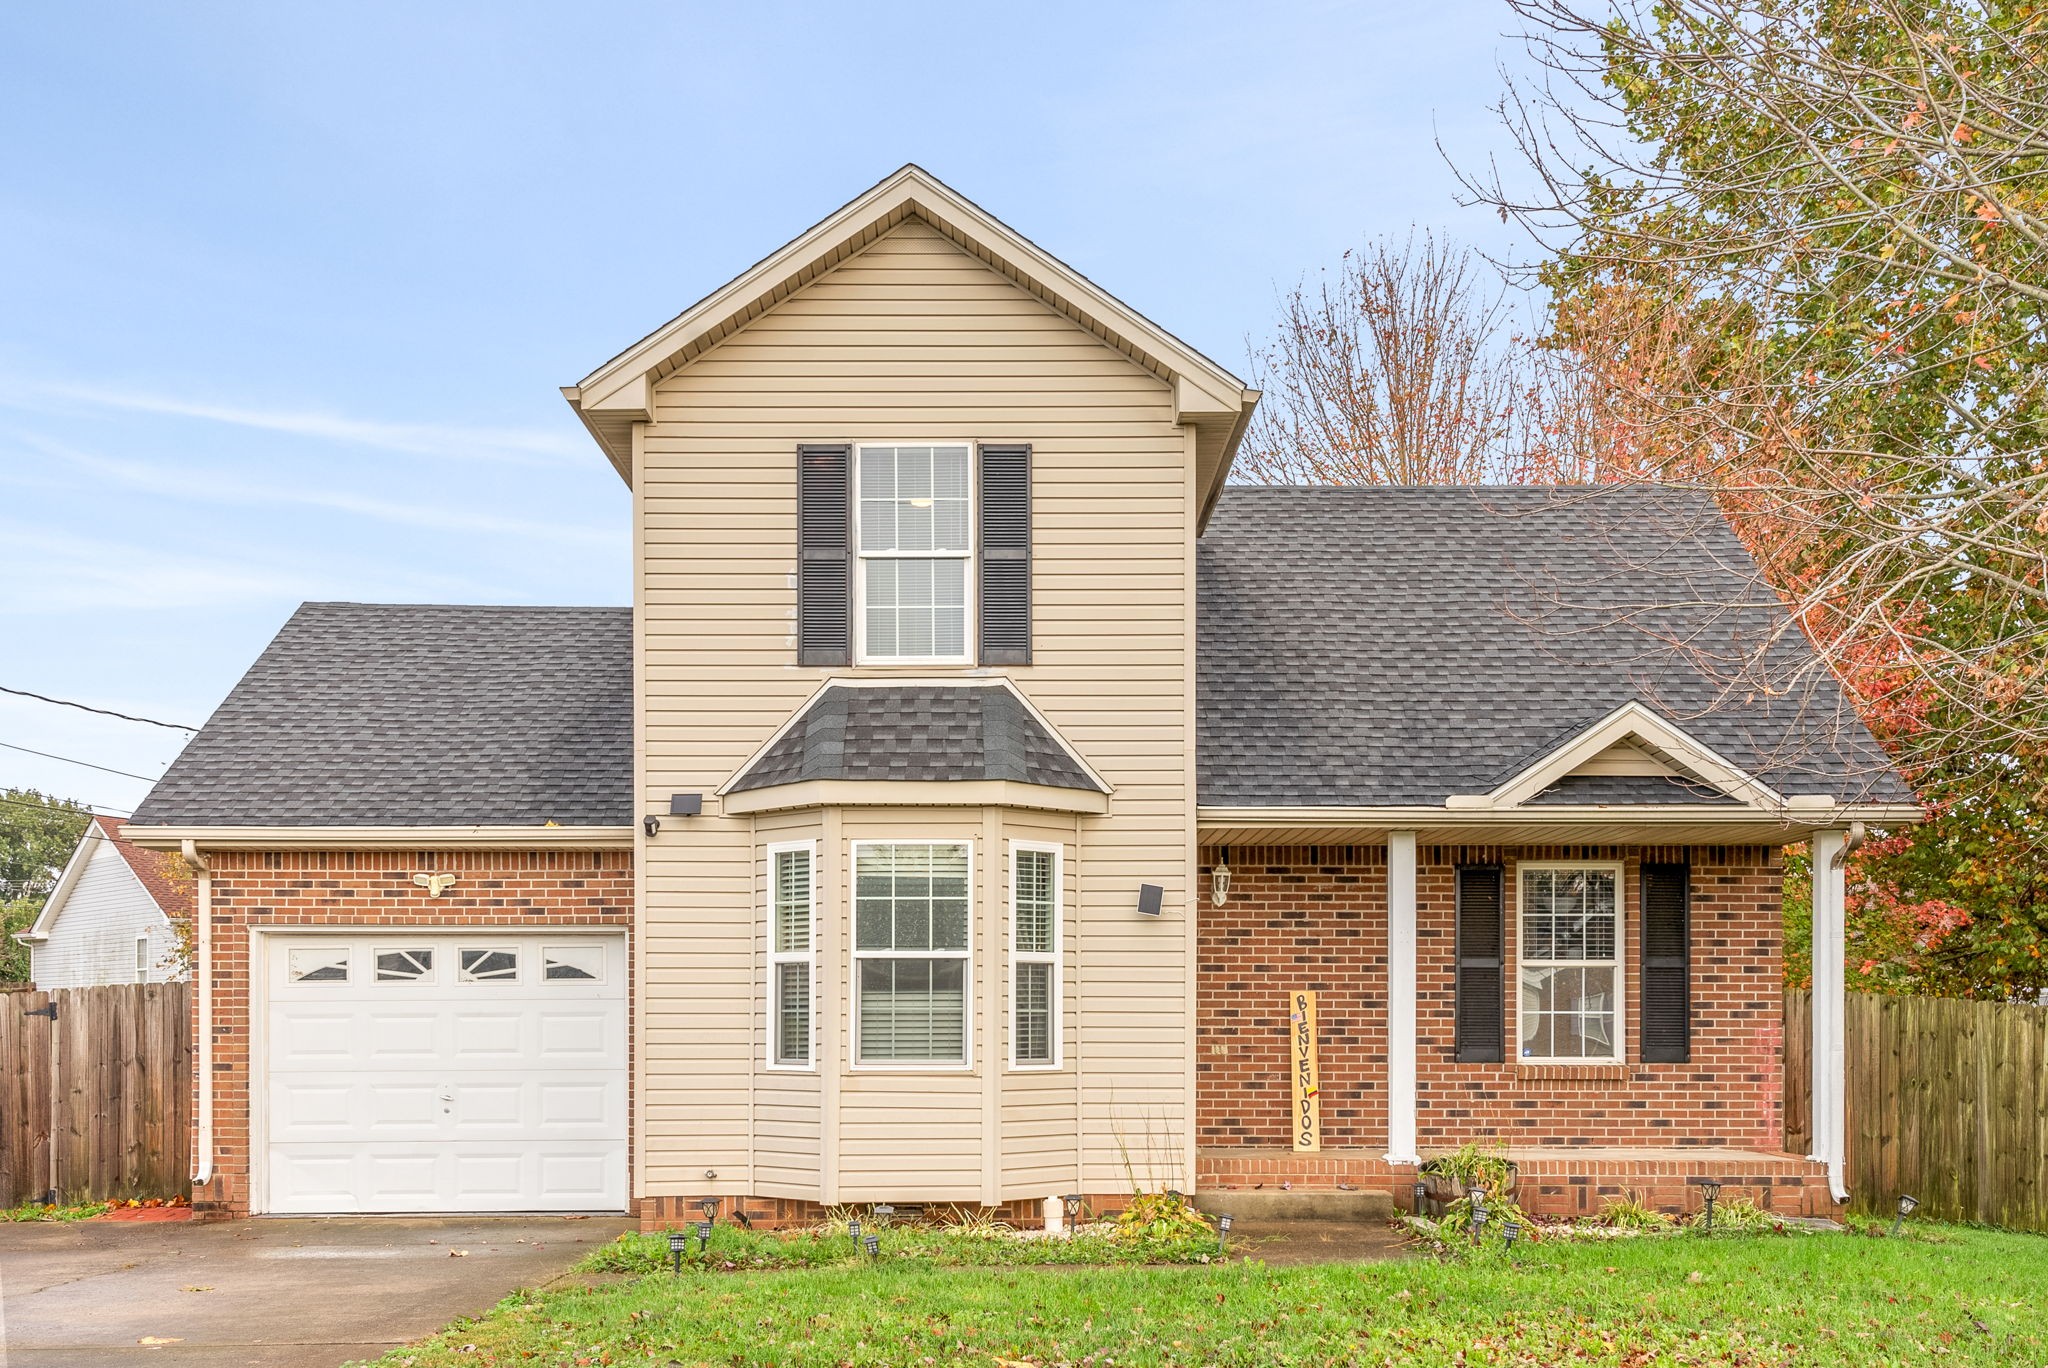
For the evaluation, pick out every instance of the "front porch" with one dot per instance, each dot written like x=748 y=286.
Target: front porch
x=1560 y=1181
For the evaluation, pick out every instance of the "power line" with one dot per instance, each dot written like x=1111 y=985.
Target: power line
x=145 y=778
x=62 y=807
x=103 y=712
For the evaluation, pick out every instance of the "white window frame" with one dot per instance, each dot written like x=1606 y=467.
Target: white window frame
x=967 y=982
x=142 y=957
x=1619 y=963
x=859 y=590
x=778 y=958
x=1052 y=957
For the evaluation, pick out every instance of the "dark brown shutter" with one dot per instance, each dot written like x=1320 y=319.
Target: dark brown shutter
x=824 y=556
x=1667 y=964
x=1482 y=966
x=1006 y=555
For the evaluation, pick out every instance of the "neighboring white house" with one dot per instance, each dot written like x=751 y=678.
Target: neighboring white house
x=112 y=917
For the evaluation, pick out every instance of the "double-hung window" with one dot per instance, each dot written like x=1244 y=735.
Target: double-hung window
x=1034 y=956
x=914 y=538
x=1570 y=922
x=911 y=949
x=792 y=954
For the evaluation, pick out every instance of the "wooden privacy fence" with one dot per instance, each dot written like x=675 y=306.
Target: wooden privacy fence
x=1947 y=1101
x=95 y=1103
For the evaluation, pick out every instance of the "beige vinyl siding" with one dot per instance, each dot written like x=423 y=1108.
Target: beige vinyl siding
x=788 y=1105
x=912 y=339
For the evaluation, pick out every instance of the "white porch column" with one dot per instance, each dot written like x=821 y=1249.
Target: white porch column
x=1401 y=1124
x=1830 y=1066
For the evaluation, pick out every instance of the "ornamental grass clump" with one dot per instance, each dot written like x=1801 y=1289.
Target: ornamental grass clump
x=1631 y=1212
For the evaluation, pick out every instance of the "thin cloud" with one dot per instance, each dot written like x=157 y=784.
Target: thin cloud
x=226 y=487
x=514 y=446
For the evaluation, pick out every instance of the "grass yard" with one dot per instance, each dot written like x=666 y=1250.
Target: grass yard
x=1952 y=1295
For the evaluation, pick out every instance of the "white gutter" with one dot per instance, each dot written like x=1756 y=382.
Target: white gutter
x=202 y=913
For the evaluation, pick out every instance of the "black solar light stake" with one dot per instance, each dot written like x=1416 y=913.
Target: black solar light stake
x=676 y=1241
x=1421 y=1197
x=1073 y=1201
x=1222 y=1232
x=853 y=1229
x=1712 y=1190
x=1508 y=1233
x=1906 y=1205
x=882 y=1213
x=1478 y=1221
x=709 y=1206
x=873 y=1245
x=703 y=1236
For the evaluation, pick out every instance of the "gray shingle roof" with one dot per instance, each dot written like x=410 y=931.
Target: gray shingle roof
x=362 y=714
x=1376 y=647
x=1629 y=788
x=917 y=732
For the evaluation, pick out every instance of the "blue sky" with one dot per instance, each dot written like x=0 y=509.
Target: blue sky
x=290 y=289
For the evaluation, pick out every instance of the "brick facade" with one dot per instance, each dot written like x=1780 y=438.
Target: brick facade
x=1315 y=917
x=366 y=888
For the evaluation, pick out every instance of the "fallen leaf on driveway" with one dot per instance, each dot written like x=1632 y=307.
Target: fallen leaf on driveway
x=199 y=1289
x=161 y=1339
x=458 y=1253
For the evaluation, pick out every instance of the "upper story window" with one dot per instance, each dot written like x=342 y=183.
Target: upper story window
x=914 y=544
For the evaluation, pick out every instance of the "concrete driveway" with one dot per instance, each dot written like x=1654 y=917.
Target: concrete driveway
x=277 y=1292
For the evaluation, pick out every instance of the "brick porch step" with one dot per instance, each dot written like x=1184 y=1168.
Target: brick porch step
x=1283 y=1205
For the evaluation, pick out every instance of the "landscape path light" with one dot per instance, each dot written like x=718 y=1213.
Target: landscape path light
x=1712 y=1189
x=1508 y=1233
x=1421 y=1197
x=676 y=1241
x=1222 y=1232
x=703 y=1237
x=1906 y=1205
x=874 y=1246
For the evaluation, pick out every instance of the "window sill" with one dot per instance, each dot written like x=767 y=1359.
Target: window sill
x=1572 y=1073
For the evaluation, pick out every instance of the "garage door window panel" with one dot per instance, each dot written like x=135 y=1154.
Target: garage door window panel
x=490 y=966
x=317 y=964
x=405 y=966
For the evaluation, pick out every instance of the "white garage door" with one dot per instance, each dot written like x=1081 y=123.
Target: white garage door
x=464 y=1071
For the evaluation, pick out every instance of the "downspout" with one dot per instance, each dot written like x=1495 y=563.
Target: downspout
x=202 y=946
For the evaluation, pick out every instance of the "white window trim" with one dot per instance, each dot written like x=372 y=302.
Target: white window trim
x=858 y=590
x=1053 y=957
x=968 y=1001
x=777 y=958
x=1619 y=963
x=142 y=957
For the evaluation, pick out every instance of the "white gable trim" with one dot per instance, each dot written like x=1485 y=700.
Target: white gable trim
x=74 y=869
x=1631 y=720
x=620 y=393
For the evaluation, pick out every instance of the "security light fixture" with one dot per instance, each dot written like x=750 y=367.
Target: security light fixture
x=1906 y=1205
x=1219 y=879
x=1150 y=898
x=651 y=824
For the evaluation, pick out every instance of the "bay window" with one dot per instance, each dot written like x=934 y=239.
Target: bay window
x=911 y=953
x=1034 y=955
x=792 y=954
x=1570 y=926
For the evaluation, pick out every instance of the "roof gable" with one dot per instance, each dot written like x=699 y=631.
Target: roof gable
x=1633 y=742
x=154 y=873
x=618 y=394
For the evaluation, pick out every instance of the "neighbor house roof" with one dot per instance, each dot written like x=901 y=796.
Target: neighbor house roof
x=1384 y=647
x=918 y=733
x=408 y=715
x=160 y=874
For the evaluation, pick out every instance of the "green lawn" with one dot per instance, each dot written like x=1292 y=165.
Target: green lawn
x=1952 y=1295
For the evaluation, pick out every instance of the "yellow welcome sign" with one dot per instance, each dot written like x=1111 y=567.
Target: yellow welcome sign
x=1308 y=1117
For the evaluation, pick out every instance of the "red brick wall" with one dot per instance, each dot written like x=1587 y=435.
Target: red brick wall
x=371 y=888
x=1315 y=917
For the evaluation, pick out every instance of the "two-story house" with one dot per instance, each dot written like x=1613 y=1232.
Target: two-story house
x=976 y=788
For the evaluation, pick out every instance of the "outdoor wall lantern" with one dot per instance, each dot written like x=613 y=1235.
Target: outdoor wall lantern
x=1219 y=880
x=1150 y=898
x=1906 y=1205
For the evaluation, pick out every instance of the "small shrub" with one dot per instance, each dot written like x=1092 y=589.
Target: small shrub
x=1630 y=1212
x=1160 y=1217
